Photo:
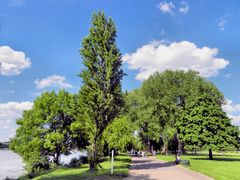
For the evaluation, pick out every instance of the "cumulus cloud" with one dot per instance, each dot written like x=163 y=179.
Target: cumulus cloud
x=166 y=7
x=184 y=55
x=184 y=8
x=52 y=81
x=9 y=112
x=12 y=62
x=229 y=107
x=233 y=111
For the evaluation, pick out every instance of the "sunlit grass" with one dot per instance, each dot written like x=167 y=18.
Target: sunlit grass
x=121 y=167
x=222 y=167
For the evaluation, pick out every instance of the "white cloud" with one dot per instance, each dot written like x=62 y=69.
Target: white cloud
x=185 y=7
x=52 y=81
x=9 y=112
x=12 y=62
x=235 y=120
x=230 y=108
x=166 y=7
x=184 y=55
x=233 y=111
x=222 y=22
x=228 y=75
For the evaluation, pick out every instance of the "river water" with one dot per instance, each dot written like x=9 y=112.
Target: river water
x=11 y=165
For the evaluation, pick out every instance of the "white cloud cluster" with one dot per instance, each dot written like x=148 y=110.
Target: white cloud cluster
x=185 y=7
x=12 y=62
x=233 y=111
x=168 y=7
x=185 y=55
x=52 y=81
x=230 y=108
x=9 y=112
x=222 y=23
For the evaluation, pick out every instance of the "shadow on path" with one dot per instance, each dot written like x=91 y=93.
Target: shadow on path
x=150 y=165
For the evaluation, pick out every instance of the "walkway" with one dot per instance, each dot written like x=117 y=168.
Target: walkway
x=147 y=168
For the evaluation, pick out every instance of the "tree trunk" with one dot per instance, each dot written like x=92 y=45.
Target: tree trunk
x=180 y=147
x=165 y=148
x=56 y=159
x=93 y=161
x=210 y=154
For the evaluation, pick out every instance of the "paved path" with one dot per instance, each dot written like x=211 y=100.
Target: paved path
x=147 y=168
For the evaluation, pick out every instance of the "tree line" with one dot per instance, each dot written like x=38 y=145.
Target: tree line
x=175 y=110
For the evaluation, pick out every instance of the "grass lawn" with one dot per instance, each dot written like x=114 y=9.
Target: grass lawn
x=223 y=167
x=121 y=167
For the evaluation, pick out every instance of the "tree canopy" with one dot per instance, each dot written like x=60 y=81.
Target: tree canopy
x=44 y=131
x=204 y=125
x=162 y=104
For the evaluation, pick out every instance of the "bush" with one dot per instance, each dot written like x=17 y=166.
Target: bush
x=84 y=159
x=75 y=162
x=37 y=168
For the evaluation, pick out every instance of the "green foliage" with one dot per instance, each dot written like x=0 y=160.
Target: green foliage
x=101 y=91
x=204 y=125
x=119 y=134
x=159 y=104
x=44 y=131
x=121 y=167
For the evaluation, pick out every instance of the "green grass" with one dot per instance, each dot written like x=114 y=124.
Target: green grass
x=121 y=167
x=222 y=167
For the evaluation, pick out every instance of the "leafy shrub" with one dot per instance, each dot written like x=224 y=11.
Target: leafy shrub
x=75 y=162
x=84 y=159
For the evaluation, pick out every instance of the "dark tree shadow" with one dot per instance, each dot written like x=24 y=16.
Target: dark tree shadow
x=140 y=161
x=152 y=165
x=139 y=177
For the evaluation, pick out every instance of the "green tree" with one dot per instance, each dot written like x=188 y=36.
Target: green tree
x=140 y=110
x=158 y=105
x=44 y=131
x=204 y=125
x=28 y=142
x=119 y=135
x=58 y=139
x=101 y=90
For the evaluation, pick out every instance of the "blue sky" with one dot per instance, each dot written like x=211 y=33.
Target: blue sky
x=40 y=42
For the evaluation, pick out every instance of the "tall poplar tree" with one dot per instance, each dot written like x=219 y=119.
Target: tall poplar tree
x=101 y=91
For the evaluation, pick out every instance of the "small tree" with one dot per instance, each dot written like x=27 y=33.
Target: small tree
x=119 y=134
x=204 y=125
x=44 y=131
x=58 y=139
x=101 y=91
